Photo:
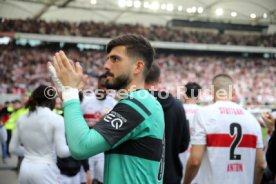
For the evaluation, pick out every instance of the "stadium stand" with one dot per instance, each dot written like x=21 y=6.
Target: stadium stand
x=153 y=32
x=22 y=69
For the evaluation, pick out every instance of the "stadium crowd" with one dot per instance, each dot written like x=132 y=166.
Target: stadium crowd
x=153 y=32
x=23 y=69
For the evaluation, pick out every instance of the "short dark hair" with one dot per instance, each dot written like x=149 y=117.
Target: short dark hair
x=136 y=46
x=192 y=89
x=39 y=98
x=222 y=75
x=222 y=81
x=153 y=74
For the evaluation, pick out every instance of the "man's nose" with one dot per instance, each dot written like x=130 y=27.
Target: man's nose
x=107 y=65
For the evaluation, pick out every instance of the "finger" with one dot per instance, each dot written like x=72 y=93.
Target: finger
x=265 y=118
x=59 y=61
x=65 y=60
x=269 y=115
x=79 y=68
x=55 y=64
x=73 y=64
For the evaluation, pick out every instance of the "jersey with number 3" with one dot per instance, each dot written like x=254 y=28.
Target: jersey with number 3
x=231 y=135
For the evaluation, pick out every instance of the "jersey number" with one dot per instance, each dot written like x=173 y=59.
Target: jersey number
x=236 y=141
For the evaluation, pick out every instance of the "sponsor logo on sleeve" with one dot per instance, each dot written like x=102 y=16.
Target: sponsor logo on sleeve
x=115 y=119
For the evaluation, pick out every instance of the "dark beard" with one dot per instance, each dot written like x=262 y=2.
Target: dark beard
x=118 y=83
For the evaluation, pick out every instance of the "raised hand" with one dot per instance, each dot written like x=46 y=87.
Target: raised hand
x=269 y=120
x=69 y=74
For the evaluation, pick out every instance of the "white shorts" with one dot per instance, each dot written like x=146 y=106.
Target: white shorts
x=33 y=172
x=96 y=164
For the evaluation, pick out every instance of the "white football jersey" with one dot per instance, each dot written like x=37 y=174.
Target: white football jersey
x=93 y=109
x=190 y=110
x=231 y=135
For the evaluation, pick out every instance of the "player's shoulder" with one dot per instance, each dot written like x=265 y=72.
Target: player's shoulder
x=207 y=108
x=56 y=117
x=88 y=99
x=22 y=118
x=143 y=99
x=111 y=100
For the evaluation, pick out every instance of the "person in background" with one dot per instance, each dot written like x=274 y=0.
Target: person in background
x=4 y=116
x=3 y=140
x=177 y=135
x=226 y=141
x=191 y=98
x=39 y=136
x=18 y=110
x=271 y=150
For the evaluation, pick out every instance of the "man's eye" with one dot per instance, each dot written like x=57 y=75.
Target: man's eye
x=114 y=59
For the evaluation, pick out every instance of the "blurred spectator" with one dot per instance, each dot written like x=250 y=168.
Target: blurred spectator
x=3 y=140
x=18 y=110
x=24 y=68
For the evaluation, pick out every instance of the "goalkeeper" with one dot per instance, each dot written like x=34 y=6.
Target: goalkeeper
x=131 y=135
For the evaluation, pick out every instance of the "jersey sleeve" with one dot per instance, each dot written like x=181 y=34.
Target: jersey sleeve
x=259 y=137
x=59 y=137
x=82 y=141
x=119 y=124
x=15 y=144
x=198 y=131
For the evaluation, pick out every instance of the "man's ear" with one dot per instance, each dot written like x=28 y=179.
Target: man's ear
x=234 y=94
x=139 y=67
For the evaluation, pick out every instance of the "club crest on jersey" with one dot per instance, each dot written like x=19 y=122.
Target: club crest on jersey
x=115 y=119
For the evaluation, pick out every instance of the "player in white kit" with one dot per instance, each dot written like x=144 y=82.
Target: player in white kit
x=41 y=132
x=226 y=141
x=192 y=90
x=94 y=107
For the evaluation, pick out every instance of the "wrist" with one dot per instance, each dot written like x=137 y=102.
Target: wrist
x=69 y=93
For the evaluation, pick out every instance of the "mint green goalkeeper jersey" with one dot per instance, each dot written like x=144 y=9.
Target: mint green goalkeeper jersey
x=131 y=135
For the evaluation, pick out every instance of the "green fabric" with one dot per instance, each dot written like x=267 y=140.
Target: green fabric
x=119 y=168
x=11 y=123
x=60 y=112
x=127 y=169
x=82 y=141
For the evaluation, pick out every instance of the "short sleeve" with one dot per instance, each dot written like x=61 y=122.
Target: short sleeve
x=259 y=137
x=198 y=131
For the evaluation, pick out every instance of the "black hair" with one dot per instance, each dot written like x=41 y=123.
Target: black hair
x=42 y=96
x=192 y=89
x=136 y=46
x=154 y=74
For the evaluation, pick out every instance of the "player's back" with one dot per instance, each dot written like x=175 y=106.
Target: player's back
x=190 y=110
x=37 y=133
x=232 y=136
